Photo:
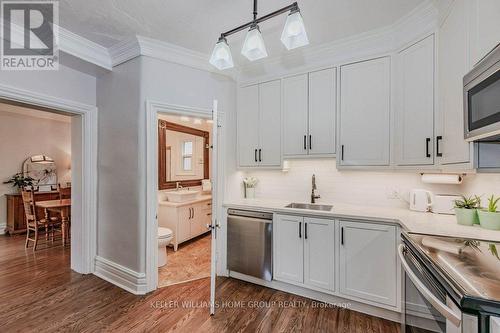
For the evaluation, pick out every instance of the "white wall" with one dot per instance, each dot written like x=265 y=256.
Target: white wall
x=121 y=99
x=22 y=136
x=119 y=193
x=64 y=83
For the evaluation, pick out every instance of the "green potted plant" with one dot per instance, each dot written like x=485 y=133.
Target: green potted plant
x=20 y=181
x=466 y=210
x=490 y=218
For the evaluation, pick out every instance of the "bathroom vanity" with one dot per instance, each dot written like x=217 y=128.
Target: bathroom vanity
x=187 y=219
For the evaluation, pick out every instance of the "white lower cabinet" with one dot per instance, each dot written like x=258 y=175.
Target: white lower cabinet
x=319 y=250
x=288 y=248
x=368 y=262
x=304 y=251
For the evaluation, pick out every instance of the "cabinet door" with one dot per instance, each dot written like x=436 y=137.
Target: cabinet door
x=322 y=115
x=415 y=104
x=270 y=123
x=454 y=59
x=198 y=220
x=184 y=223
x=248 y=125
x=288 y=254
x=319 y=253
x=295 y=105
x=365 y=113
x=368 y=262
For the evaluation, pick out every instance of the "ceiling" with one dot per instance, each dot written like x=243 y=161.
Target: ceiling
x=197 y=24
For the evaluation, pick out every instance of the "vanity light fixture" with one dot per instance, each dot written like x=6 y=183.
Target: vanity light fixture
x=294 y=35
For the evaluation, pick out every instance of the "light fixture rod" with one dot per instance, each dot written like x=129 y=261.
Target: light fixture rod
x=254 y=10
x=293 y=7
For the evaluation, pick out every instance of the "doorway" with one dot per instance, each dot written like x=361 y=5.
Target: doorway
x=184 y=198
x=83 y=168
x=152 y=180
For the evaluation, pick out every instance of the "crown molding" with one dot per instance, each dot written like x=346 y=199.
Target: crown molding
x=84 y=49
x=144 y=46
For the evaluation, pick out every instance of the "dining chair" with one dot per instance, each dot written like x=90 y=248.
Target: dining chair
x=65 y=193
x=33 y=223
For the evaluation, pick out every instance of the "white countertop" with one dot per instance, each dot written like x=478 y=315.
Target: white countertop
x=418 y=222
x=200 y=198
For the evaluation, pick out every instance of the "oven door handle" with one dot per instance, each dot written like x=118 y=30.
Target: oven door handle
x=429 y=296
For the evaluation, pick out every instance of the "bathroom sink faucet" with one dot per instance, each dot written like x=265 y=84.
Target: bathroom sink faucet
x=314 y=196
x=178 y=186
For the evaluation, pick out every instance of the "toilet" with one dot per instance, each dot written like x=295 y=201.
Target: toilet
x=164 y=238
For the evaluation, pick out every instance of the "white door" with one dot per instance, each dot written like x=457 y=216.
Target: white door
x=319 y=253
x=248 y=126
x=295 y=118
x=214 y=226
x=368 y=262
x=415 y=104
x=322 y=115
x=365 y=113
x=269 y=153
x=288 y=254
x=453 y=64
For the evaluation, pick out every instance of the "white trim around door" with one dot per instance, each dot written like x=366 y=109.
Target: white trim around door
x=84 y=234
x=153 y=108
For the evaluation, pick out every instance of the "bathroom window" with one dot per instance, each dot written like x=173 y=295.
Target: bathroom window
x=187 y=155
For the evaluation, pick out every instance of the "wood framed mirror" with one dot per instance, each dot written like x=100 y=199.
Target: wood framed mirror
x=183 y=155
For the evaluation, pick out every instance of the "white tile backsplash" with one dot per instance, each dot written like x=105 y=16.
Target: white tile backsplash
x=355 y=187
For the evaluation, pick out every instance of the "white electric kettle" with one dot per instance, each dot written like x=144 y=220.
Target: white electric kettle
x=421 y=200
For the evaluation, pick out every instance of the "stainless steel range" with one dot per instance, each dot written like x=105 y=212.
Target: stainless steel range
x=451 y=285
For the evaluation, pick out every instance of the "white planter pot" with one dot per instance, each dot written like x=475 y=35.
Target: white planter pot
x=250 y=192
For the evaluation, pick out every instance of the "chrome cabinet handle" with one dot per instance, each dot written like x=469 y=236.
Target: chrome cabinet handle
x=428 y=295
x=305 y=142
x=427 y=153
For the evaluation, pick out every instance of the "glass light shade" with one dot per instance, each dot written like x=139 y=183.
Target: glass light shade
x=253 y=47
x=294 y=33
x=221 y=55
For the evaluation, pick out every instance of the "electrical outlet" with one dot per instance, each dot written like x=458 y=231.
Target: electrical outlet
x=393 y=193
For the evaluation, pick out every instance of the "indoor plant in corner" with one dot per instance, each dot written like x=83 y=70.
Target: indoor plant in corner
x=490 y=218
x=466 y=210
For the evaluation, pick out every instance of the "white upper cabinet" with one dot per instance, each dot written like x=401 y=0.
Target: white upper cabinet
x=414 y=88
x=248 y=124
x=270 y=124
x=259 y=125
x=487 y=33
x=365 y=113
x=322 y=115
x=295 y=114
x=309 y=113
x=453 y=64
x=368 y=262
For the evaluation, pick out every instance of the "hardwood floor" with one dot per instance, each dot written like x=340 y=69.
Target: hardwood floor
x=190 y=262
x=39 y=293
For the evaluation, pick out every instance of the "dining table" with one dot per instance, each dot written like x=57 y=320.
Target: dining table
x=63 y=207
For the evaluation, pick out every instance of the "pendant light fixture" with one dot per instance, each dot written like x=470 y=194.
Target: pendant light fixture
x=294 y=33
x=293 y=36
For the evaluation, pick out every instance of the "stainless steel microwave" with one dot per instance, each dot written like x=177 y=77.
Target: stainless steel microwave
x=482 y=99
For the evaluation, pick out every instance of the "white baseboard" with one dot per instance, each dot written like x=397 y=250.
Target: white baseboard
x=120 y=276
x=2 y=228
x=322 y=297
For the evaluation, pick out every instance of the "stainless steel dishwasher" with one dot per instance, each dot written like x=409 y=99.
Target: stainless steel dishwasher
x=249 y=243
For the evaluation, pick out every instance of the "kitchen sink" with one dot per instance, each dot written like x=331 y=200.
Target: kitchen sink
x=296 y=205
